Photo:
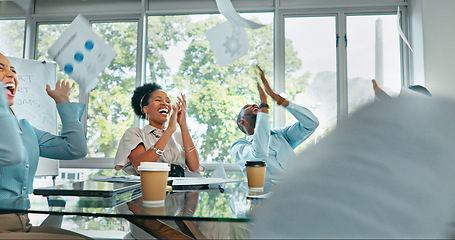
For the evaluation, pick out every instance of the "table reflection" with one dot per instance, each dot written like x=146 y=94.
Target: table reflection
x=211 y=213
x=198 y=214
x=176 y=204
x=221 y=204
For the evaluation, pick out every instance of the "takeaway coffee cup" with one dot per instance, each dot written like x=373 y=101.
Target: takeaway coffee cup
x=153 y=183
x=255 y=171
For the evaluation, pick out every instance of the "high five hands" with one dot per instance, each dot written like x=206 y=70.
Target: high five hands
x=280 y=100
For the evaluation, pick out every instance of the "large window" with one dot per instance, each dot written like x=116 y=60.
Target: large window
x=311 y=79
x=297 y=49
x=373 y=52
x=179 y=58
x=12 y=37
x=337 y=57
x=109 y=111
x=109 y=104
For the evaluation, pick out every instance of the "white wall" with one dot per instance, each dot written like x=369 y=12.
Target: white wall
x=432 y=34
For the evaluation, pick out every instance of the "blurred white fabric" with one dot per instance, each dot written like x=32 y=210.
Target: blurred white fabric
x=387 y=172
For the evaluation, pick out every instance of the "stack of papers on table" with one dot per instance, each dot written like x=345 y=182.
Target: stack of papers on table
x=117 y=178
x=198 y=183
x=177 y=183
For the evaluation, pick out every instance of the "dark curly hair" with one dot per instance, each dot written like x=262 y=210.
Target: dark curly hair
x=141 y=97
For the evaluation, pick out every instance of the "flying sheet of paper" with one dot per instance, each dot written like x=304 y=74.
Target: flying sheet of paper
x=227 y=9
x=81 y=53
x=228 y=42
x=400 y=31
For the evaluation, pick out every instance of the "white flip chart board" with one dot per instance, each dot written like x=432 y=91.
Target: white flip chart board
x=32 y=102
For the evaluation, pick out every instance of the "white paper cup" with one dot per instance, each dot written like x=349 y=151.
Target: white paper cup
x=153 y=182
x=255 y=171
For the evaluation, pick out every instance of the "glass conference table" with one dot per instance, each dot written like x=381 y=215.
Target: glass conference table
x=186 y=209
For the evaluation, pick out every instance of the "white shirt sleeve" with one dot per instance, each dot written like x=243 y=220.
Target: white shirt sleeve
x=131 y=139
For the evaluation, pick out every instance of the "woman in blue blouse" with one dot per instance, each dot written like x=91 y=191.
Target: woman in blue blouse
x=21 y=146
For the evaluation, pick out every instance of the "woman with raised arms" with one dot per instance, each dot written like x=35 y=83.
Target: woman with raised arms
x=21 y=145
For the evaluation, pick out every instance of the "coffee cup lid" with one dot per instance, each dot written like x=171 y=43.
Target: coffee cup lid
x=255 y=164
x=153 y=166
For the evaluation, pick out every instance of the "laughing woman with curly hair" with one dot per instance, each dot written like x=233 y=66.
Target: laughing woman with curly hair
x=155 y=142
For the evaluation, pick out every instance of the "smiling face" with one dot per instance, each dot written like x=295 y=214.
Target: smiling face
x=158 y=109
x=9 y=78
x=251 y=109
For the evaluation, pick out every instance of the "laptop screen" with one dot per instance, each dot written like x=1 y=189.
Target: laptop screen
x=88 y=188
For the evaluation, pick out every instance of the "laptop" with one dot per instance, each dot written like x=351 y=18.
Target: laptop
x=88 y=189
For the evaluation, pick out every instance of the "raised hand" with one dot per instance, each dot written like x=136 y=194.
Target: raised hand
x=61 y=92
x=262 y=95
x=267 y=87
x=181 y=107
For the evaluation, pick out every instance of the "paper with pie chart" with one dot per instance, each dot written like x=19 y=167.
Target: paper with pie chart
x=82 y=54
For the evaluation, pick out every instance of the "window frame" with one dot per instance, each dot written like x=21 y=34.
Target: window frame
x=340 y=15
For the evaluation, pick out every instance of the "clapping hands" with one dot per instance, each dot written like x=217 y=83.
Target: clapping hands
x=178 y=115
x=181 y=107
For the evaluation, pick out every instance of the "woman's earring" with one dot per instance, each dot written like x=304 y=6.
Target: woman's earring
x=147 y=116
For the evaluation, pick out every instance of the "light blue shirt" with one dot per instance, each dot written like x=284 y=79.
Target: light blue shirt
x=21 y=146
x=275 y=147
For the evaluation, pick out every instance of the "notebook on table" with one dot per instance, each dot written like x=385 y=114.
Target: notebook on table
x=88 y=189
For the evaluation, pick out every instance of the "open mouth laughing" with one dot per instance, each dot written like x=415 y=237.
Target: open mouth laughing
x=164 y=111
x=10 y=87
